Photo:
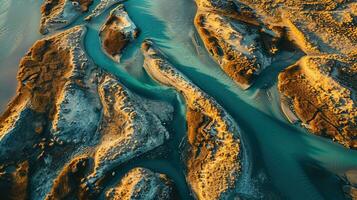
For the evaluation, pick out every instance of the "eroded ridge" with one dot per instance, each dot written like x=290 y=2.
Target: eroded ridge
x=214 y=158
x=129 y=127
x=102 y=6
x=68 y=183
x=141 y=183
x=350 y=184
x=44 y=121
x=67 y=110
x=232 y=34
x=14 y=181
x=242 y=35
x=117 y=31
x=54 y=77
x=317 y=26
x=322 y=90
x=319 y=89
x=57 y=14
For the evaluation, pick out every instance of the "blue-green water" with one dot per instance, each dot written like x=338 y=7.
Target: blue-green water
x=286 y=161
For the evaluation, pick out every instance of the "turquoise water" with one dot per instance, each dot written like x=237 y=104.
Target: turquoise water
x=286 y=161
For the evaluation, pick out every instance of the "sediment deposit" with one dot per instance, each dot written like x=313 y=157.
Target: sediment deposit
x=232 y=35
x=69 y=111
x=322 y=89
x=44 y=121
x=14 y=180
x=57 y=14
x=117 y=31
x=129 y=127
x=214 y=157
x=319 y=89
x=101 y=7
x=350 y=184
x=75 y=131
x=315 y=26
x=68 y=182
x=141 y=183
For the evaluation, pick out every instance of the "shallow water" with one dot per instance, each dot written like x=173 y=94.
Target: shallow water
x=19 y=22
x=286 y=161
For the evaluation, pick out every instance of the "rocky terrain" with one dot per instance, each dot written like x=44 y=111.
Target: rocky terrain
x=75 y=131
x=231 y=34
x=350 y=187
x=319 y=90
x=102 y=6
x=117 y=32
x=129 y=127
x=69 y=111
x=57 y=14
x=321 y=86
x=141 y=183
x=215 y=153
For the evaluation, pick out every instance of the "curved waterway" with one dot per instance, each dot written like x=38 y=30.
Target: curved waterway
x=286 y=162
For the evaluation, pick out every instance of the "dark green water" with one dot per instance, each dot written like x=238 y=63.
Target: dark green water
x=285 y=161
